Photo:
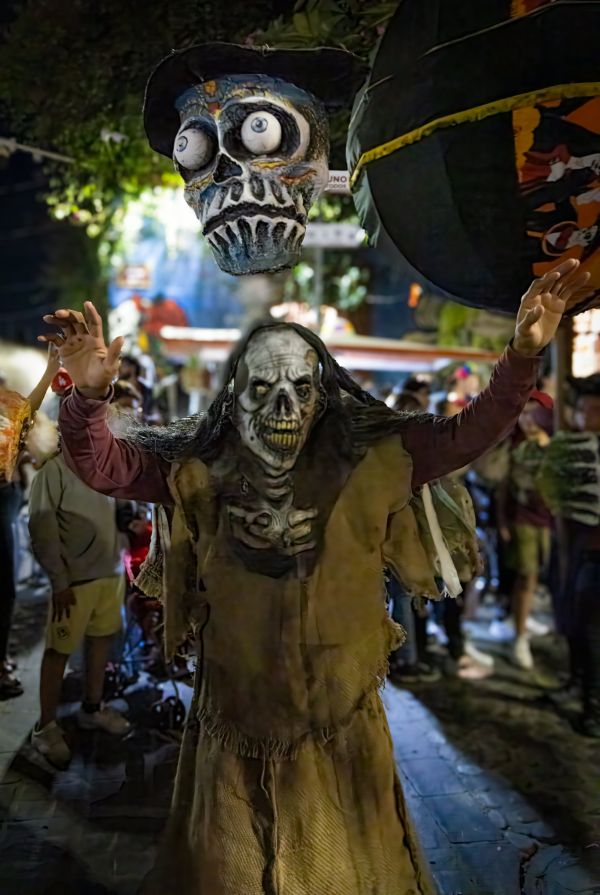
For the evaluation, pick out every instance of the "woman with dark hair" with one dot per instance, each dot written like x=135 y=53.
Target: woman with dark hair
x=288 y=498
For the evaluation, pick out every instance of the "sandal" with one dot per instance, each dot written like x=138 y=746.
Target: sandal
x=10 y=686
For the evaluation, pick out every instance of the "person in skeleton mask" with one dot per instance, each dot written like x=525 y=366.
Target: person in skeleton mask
x=287 y=498
x=248 y=132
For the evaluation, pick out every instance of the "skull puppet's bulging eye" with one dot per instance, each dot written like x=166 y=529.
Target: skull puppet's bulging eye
x=261 y=133
x=193 y=149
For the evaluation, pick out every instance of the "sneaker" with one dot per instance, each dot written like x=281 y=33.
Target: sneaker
x=106 y=718
x=50 y=742
x=521 y=654
x=483 y=659
x=536 y=628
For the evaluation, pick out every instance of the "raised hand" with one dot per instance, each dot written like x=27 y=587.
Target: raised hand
x=83 y=352
x=544 y=304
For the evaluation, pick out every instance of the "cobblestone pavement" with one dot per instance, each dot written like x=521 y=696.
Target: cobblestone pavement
x=505 y=797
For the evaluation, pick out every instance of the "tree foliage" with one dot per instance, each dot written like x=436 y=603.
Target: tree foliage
x=73 y=76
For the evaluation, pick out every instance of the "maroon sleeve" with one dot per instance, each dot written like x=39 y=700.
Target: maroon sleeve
x=107 y=464
x=439 y=445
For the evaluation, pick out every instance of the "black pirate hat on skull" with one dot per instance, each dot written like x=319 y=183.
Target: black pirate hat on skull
x=332 y=75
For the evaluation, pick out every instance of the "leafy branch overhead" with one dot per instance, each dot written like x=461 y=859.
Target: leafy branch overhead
x=72 y=81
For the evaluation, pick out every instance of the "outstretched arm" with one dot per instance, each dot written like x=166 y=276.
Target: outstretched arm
x=439 y=445
x=107 y=464
x=39 y=392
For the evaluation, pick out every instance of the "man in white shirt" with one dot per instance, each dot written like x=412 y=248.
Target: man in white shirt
x=75 y=539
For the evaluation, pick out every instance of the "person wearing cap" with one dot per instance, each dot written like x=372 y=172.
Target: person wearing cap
x=524 y=520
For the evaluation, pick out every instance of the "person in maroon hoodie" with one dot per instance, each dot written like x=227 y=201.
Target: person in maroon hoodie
x=290 y=493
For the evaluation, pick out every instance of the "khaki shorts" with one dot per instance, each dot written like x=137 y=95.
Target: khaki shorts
x=97 y=613
x=529 y=549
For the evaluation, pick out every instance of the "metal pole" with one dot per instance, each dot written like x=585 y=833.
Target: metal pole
x=319 y=282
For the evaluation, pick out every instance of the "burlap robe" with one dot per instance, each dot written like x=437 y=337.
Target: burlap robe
x=286 y=782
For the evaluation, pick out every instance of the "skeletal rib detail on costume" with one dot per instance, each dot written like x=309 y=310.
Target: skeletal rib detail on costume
x=253 y=152
x=285 y=528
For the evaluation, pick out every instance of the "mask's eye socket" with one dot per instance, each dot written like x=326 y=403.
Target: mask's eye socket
x=194 y=148
x=303 y=389
x=260 y=388
x=261 y=133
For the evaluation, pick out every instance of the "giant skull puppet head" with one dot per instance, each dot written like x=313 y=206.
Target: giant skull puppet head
x=248 y=131
x=277 y=396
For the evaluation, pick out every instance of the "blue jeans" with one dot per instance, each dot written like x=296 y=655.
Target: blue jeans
x=403 y=613
x=10 y=501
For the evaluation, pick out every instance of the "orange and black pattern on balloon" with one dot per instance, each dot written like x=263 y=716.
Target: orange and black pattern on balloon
x=522 y=7
x=557 y=150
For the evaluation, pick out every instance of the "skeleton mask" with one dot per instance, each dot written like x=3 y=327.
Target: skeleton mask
x=277 y=397
x=253 y=152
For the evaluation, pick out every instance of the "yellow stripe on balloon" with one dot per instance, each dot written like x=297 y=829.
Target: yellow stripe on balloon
x=477 y=113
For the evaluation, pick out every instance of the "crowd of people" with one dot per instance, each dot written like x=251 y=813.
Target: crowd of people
x=530 y=555
x=90 y=547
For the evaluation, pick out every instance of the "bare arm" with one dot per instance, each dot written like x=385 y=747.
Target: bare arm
x=39 y=392
x=44 y=503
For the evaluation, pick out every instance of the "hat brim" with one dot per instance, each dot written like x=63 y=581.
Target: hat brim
x=333 y=76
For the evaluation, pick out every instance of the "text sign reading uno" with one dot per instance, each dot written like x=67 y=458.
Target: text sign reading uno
x=339 y=182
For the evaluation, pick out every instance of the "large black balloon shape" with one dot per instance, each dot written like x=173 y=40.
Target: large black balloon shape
x=476 y=142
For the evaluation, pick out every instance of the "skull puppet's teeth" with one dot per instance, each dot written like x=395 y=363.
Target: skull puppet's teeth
x=222 y=236
x=289 y=228
x=235 y=233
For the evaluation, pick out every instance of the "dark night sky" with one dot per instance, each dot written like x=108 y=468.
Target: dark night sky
x=25 y=228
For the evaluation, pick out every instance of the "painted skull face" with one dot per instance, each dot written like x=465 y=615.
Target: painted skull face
x=253 y=152
x=277 y=390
